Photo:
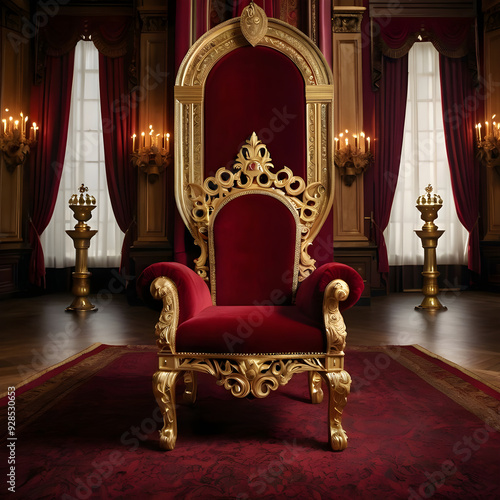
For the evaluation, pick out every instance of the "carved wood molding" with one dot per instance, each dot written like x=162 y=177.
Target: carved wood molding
x=347 y=20
x=492 y=19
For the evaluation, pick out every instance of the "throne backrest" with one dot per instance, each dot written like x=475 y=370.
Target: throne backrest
x=253 y=74
x=254 y=241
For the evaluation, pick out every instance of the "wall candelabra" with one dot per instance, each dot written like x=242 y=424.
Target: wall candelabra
x=154 y=158
x=352 y=158
x=82 y=206
x=428 y=206
x=488 y=144
x=15 y=143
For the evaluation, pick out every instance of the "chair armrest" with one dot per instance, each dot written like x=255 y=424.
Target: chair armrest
x=193 y=293
x=309 y=296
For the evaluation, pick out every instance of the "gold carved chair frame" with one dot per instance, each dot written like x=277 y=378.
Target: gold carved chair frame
x=199 y=200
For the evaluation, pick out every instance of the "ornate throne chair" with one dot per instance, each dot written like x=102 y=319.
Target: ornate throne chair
x=267 y=313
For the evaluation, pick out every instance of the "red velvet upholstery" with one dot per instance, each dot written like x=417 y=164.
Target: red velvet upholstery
x=310 y=294
x=255 y=89
x=250 y=329
x=255 y=239
x=194 y=295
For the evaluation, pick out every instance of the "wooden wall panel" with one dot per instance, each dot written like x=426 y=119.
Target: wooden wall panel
x=14 y=58
x=492 y=106
x=152 y=209
x=347 y=70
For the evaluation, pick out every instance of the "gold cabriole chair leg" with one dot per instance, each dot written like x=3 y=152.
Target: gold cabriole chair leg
x=339 y=384
x=164 y=391
x=191 y=383
x=315 y=387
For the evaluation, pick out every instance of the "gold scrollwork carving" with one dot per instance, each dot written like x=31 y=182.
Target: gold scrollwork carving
x=315 y=387
x=191 y=383
x=164 y=391
x=253 y=169
x=253 y=23
x=339 y=384
x=165 y=289
x=251 y=375
x=336 y=291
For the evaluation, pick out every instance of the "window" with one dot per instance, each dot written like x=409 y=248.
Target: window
x=424 y=161
x=84 y=164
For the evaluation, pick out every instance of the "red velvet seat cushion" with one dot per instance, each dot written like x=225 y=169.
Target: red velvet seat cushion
x=250 y=329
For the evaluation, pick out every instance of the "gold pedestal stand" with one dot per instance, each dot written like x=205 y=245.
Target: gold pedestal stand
x=429 y=205
x=82 y=207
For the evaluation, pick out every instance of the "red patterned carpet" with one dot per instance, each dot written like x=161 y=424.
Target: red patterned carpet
x=418 y=428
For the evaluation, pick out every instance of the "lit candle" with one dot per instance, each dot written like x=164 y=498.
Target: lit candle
x=336 y=144
x=4 y=126
x=168 y=143
x=10 y=124
x=25 y=122
x=150 y=137
x=368 y=142
x=35 y=128
x=157 y=136
x=479 y=131
x=487 y=129
x=364 y=142
x=22 y=124
x=133 y=143
x=16 y=125
x=143 y=134
x=347 y=141
x=346 y=131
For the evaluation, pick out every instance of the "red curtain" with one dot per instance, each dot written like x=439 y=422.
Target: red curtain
x=271 y=7
x=460 y=106
x=118 y=122
x=50 y=109
x=390 y=110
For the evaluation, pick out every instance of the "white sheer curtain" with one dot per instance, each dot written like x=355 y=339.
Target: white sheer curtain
x=84 y=164
x=424 y=161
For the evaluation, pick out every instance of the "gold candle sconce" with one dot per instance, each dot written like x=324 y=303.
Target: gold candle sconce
x=15 y=142
x=488 y=144
x=352 y=158
x=152 y=159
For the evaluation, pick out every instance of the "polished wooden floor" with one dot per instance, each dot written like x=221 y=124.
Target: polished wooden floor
x=37 y=332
